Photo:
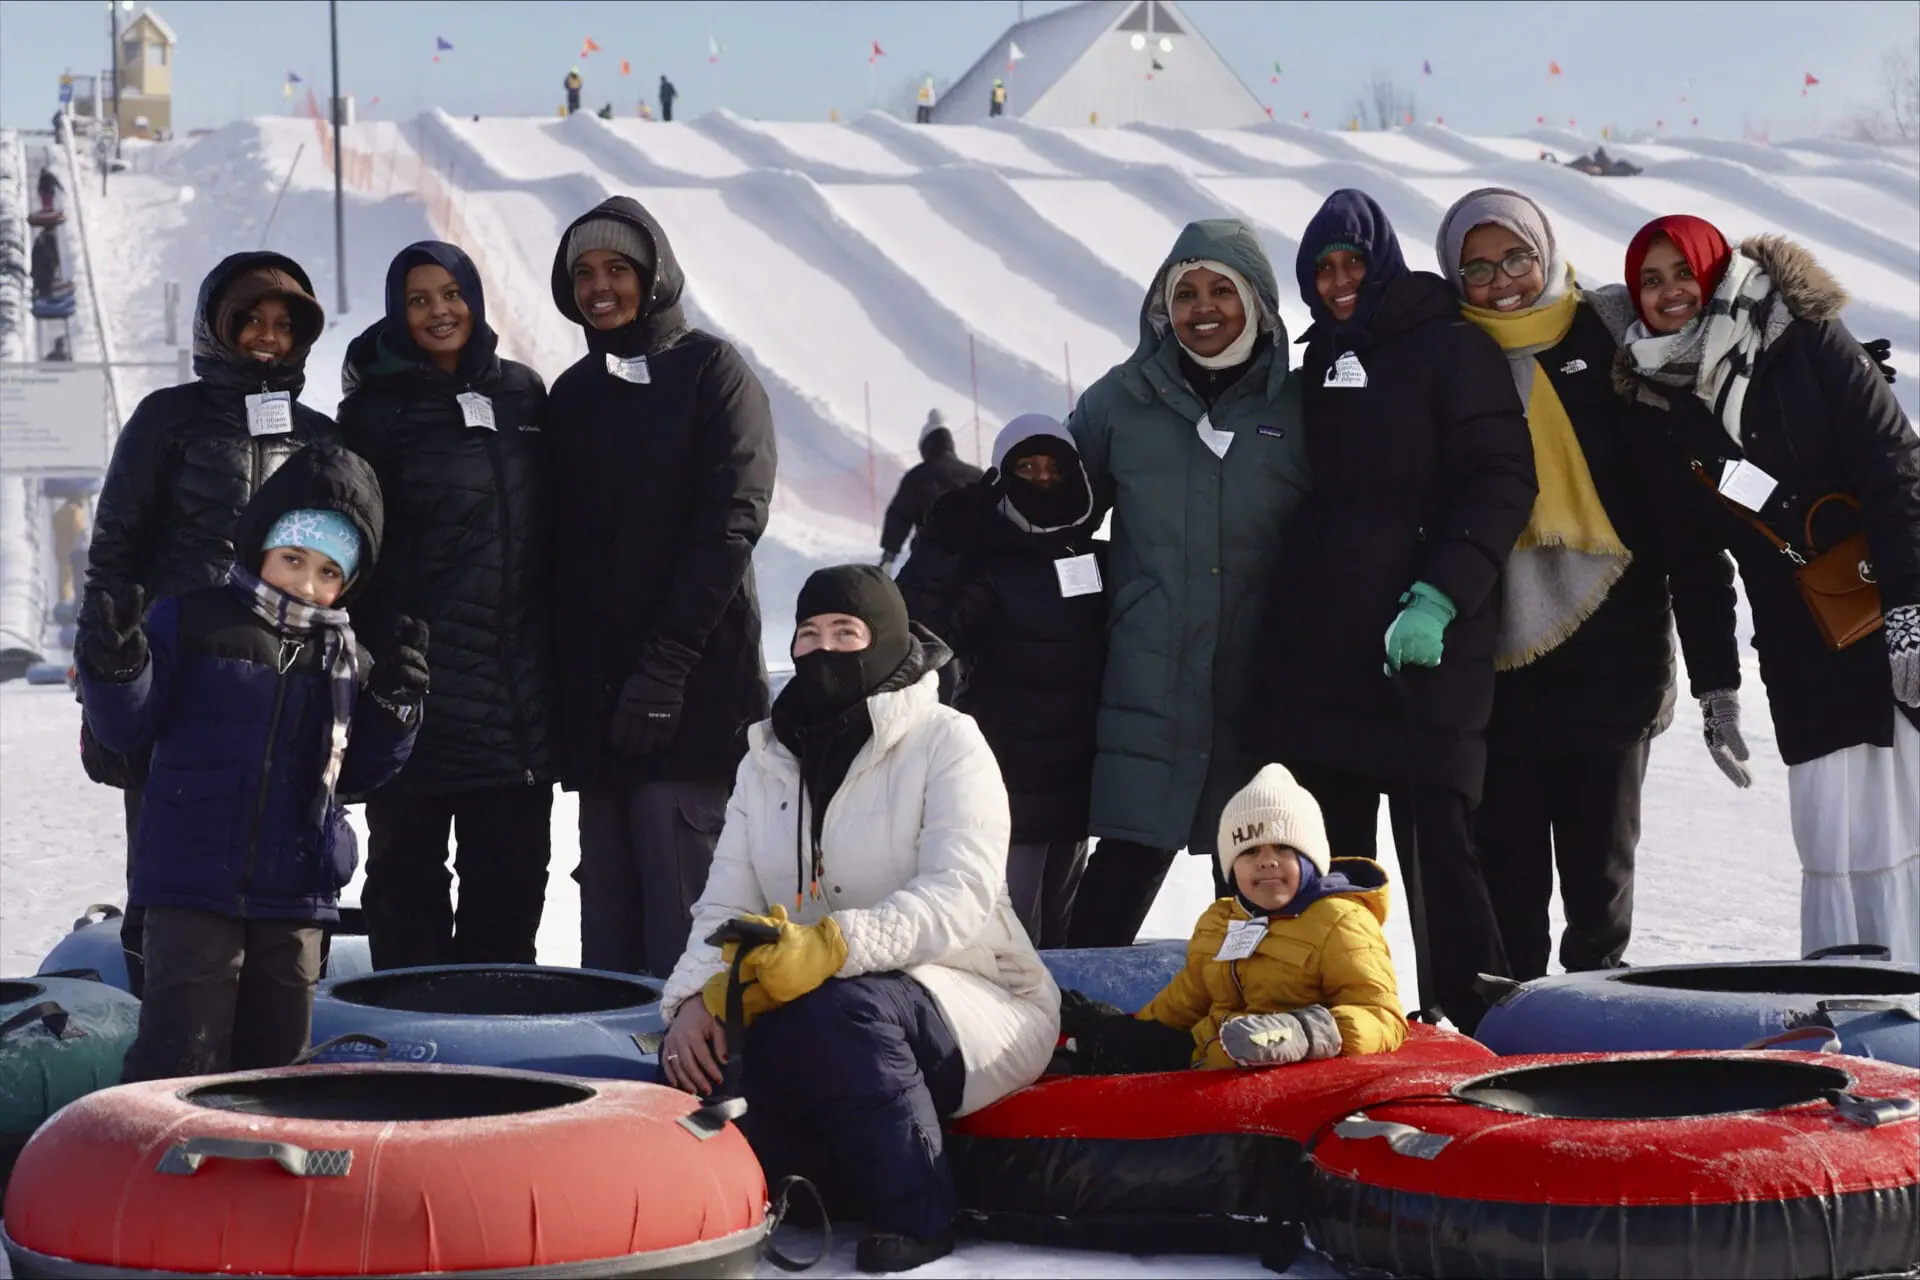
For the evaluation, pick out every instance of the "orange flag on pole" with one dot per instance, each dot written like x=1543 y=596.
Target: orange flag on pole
x=1553 y=68
x=626 y=68
x=589 y=47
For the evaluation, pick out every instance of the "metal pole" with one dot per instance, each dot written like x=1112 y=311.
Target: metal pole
x=284 y=182
x=1066 y=350
x=339 y=197
x=873 y=497
x=113 y=17
x=973 y=369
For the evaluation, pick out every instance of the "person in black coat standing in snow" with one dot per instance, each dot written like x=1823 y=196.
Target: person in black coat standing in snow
x=938 y=473
x=667 y=94
x=453 y=432
x=663 y=449
x=1377 y=671
x=1007 y=572
x=190 y=459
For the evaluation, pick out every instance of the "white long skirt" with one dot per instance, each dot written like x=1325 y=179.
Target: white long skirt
x=1856 y=823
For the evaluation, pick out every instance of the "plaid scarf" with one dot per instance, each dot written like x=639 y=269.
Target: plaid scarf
x=297 y=621
x=1714 y=354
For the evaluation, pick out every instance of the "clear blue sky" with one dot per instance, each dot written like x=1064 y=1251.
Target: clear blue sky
x=1625 y=64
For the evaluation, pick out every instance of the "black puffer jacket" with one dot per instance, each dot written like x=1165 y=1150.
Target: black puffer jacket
x=468 y=539
x=938 y=473
x=1422 y=473
x=662 y=489
x=185 y=467
x=1031 y=660
x=1610 y=685
x=1819 y=419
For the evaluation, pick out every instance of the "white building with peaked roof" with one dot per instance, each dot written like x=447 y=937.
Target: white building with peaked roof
x=1105 y=62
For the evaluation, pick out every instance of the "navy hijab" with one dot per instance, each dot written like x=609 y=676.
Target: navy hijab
x=1349 y=219
x=398 y=339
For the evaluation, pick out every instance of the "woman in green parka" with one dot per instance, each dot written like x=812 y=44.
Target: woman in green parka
x=1194 y=444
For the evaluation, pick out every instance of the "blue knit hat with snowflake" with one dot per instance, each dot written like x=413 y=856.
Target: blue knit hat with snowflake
x=311 y=529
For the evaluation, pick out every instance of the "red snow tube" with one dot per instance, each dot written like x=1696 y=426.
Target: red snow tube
x=1179 y=1161
x=1676 y=1164
x=372 y=1170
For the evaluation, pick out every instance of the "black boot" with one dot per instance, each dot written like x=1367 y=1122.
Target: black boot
x=883 y=1252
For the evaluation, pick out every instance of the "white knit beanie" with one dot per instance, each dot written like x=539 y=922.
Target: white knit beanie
x=1272 y=809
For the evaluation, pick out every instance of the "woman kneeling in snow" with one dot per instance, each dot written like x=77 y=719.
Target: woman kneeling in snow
x=903 y=989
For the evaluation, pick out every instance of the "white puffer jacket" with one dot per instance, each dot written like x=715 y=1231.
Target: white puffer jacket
x=915 y=849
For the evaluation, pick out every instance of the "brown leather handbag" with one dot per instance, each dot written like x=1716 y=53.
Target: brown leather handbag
x=1837 y=584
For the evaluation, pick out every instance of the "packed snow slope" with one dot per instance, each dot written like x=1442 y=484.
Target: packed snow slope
x=874 y=270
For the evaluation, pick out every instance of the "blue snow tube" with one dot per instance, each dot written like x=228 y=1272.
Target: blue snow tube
x=579 y=1022
x=93 y=948
x=1127 y=977
x=54 y=306
x=1842 y=1003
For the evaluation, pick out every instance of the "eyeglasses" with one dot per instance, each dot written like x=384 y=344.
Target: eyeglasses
x=1516 y=265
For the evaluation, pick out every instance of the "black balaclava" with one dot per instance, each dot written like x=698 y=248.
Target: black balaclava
x=1066 y=504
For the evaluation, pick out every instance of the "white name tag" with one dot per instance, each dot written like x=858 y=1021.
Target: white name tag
x=1346 y=372
x=633 y=370
x=270 y=413
x=1746 y=484
x=1217 y=441
x=476 y=409
x=1243 y=938
x=1079 y=576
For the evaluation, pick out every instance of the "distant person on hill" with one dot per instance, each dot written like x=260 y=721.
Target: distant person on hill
x=606 y=111
x=939 y=472
x=663 y=442
x=667 y=94
x=190 y=459
x=49 y=184
x=997 y=101
x=646 y=110
x=45 y=261
x=573 y=84
x=923 y=110
x=261 y=712
x=453 y=432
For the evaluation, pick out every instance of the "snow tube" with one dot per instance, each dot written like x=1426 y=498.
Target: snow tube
x=373 y=1170
x=53 y=307
x=577 y=1022
x=46 y=218
x=60 y=1039
x=1126 y=977
x=1872 y=1008
x=1172 y=1162
x=1683 y=1164
x=94 y=946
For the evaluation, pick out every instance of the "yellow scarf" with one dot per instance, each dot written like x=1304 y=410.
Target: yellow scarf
x=1569 y=555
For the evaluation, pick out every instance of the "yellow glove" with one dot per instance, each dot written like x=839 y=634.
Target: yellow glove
x=805 y=957
x=754 y=999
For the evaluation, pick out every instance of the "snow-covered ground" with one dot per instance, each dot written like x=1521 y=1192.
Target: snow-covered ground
x=872 y=271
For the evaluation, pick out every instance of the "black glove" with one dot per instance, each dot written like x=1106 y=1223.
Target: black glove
x=1083 y=1016
x=112 y=646
x=399 y=680
x=1880 y=351
x=645 y=718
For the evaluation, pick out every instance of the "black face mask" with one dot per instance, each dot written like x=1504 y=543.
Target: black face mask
x=1064 y=504
x=827 y=684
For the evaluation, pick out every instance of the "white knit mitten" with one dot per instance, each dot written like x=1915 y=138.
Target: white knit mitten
x=1903 y=652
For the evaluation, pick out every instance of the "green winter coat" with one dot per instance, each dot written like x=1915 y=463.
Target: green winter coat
x=1194 y=541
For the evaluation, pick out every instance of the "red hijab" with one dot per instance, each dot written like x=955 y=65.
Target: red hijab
x=1699 y=242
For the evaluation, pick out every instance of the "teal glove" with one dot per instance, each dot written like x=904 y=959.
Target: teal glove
x=1414 y=638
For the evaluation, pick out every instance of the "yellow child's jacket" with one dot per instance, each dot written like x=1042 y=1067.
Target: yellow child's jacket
x=1333 y=953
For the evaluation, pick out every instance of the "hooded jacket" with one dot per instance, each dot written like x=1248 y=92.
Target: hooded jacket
x=1422 y=472
x=238 y=717
x=1819 y=419
x=914 y=873
x=939 y=472
x=1329 y=951
x=468 y=538
x=1194 y=540
x=1031 y=657
x=185 y=466
x=661 y=491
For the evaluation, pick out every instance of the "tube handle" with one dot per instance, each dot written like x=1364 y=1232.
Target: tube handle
x=185 y=1158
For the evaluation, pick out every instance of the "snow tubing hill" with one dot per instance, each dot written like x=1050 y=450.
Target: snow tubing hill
x=1872 y=1008
x=94 y=946
x=60 y=1039
x=1685 y=1164
x=577 y=1022
x=1177 y=1161
x=374 y=1170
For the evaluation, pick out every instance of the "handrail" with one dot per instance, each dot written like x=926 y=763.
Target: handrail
x=93 y=287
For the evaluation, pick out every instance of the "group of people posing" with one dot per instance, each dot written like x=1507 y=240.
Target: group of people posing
x=1438 y=561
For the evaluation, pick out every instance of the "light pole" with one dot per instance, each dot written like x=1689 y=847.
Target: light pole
x=339 y=198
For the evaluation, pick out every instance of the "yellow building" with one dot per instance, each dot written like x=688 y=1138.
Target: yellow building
x=145 y=73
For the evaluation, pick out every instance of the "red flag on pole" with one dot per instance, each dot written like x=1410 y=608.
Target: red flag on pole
x=589 y=47
x=1812 y=79
x=626 y=68
x=877 y=53
x=1553 y=68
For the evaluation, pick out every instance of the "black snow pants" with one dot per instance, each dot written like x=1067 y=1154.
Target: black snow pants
x=847 y=1087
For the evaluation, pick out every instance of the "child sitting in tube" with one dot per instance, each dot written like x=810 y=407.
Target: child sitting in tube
x=1292 y=968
